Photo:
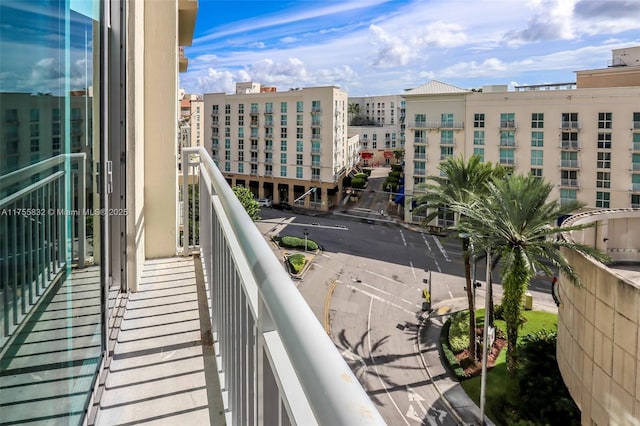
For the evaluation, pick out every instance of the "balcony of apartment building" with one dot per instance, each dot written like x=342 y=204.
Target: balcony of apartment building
x=569 y=164
x=445 y=125
x=569 y=183
x=268 y=122
x=419 y=124
x=635 y=125
x=419 y=140
x=508 y=125
x=570 y=126
x=570 y=145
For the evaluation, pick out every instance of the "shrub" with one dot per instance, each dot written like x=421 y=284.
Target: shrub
x=396 y=167
x=459 y=331
x=395 y=175
x=544 y=397
x=361 y=176
x=358 y=183
x=295 y=242
x=367 y=172
x=297 y=262
x=452 y=362
x=498 y=312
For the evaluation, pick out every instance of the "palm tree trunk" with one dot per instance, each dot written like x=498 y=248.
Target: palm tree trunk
x=472 y=309
x=514 y=283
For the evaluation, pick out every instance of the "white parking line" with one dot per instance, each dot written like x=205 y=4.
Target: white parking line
x=379 y=299
x=403 y=240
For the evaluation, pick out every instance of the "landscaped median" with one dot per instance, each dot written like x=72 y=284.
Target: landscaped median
x=537 y=395
x=296 y=263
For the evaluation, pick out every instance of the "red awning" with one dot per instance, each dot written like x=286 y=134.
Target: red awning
x=388 y=154
x=366 y=155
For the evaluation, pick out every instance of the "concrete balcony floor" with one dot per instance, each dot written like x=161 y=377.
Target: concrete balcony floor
x=163 y=369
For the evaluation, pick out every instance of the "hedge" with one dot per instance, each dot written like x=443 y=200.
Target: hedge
x=295 y=242
x=452 y=362
x=297 y=262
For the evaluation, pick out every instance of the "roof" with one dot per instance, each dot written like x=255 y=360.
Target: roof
x=435 y=87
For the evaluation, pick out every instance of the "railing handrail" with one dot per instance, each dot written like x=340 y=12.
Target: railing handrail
x=332 y=390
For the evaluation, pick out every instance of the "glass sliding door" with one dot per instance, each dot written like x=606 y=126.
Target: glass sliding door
x=52 y=306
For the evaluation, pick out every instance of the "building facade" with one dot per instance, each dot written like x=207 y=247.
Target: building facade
x=379 y=121
x=288 y=146
x=584 y=140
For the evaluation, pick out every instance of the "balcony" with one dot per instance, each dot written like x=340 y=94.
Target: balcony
x=316 y=123
x=508 y=125
x=420 y=155
x=420 y=141
x=635 y=167
x=569 y=183
x=636 y=146
x=635 y=187
x=508 y=161
x=315 y=149
x=315 y=177
x=570 y=145
x=447 y=125
x=419 y=125
x=571 y=164
x=268 y=123
x=570 y=125
x=420 y=172
x=316 y=109
x=636 y=125
x=507 y=144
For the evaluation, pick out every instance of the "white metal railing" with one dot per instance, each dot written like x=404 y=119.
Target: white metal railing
x=35 y=218
x=277 y=364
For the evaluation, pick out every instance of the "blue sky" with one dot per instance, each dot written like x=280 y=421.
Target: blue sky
x=379 y=47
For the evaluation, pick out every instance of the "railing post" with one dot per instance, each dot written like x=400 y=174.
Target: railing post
x=185 y=204
x=82 y=205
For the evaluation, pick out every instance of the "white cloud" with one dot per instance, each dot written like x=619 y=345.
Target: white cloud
x=391 y=51
x=288 y=39
x=488 y=67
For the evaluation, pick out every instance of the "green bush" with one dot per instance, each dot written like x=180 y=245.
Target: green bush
x=297 y=262
x=498 y=312
x=544 y=397
x=295 y=242
x=459 y=331
x=395 y=175
x=361 y=176
x=367 y=171
x=452 y=362
x=358 y=183
x=396 y=167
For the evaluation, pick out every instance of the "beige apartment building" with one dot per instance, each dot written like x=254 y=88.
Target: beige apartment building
x=289 y=146
x=583 y=137
x=379 y=122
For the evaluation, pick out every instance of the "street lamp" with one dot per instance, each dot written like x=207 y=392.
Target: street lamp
x=305 y=232
x=485 y=341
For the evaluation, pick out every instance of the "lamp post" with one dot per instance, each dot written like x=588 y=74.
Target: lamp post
x=305 y=232
x=485 y=345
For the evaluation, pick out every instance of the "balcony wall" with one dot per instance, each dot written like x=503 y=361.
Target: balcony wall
x=599 y=323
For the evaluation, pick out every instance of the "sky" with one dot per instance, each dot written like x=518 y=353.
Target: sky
x=383 y=47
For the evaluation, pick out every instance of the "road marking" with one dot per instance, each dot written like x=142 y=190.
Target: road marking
x=451 y=297
x=375 y=366
x=424 y=237
x=442 y=250
x=413 y=271
x=386 y=278
x=403 y=240
x=387 y=293
x=327 y=303
x=379 y=299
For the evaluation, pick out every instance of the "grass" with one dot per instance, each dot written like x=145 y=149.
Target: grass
x=498 y=382
x=297 y=262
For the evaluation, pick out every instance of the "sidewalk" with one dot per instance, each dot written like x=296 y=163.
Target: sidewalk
x=461 y=406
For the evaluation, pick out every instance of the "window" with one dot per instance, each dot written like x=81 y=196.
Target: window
x=240 y=155
x=254 y=108
x=603 y=179
x=283 y=171
x=283 y=107
x=635 y=201
x=536 y=157
x=507 y=120
x=240 y=167
x=283 y=158
x=315 y=160
x=568 y=159
x=604 y=160
x=283 y=145
x=299 y=172
x=635 y=182
x=507 y=156
x=569 y=140
x=446 y=120
x=478 y=137
x=569 y=120
x=636 y=142
x=508 y=138
x=446 y=137
x=240 y=108
x=299 y=120
x=569 y=178
x=479 y=152
x=604 y=120
x=537 y=120
x=283 y=132
x=445 y=152
x=227 y=154
x=241 y=132
x=299 y=106
x=537 y=138
x=268 y=108
x=227 y=166
x=315 y=106
x=227 y=109
x=535 y=172
x=227 y=144
x=299 y=159
x=34 y=115
x=602 y=199
x=283 y=120
x=227 y=120
x=604 y=140
x=241 y=120
x=421 y=120
x=635 y=161
x=227 y=132
x=35 y=145
x=568 y=196
x=299 y=146
x=478 y=120
x=315 y=146
x=35 y=129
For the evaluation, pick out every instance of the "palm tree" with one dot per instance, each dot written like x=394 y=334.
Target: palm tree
x=516 y=222
x=458 y=182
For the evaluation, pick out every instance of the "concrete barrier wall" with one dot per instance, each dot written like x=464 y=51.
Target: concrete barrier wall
x=599 y=343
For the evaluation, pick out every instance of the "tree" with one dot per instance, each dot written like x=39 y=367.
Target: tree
x=248 y=202
x=398 y=154
x=458 y=182
x=515 y=221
